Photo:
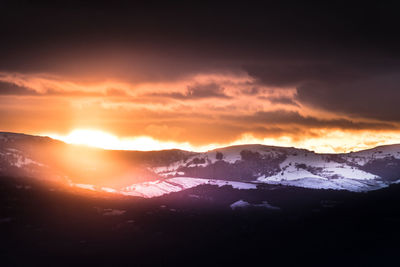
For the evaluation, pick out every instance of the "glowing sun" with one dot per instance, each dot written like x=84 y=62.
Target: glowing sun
x=93 y=138
x=101 y=139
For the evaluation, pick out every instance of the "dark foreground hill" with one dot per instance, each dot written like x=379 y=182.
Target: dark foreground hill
x=42 y=225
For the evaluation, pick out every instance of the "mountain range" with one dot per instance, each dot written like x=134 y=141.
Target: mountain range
x=155 y=173
x=241 y=205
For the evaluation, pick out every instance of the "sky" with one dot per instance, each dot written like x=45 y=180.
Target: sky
x=148 y=75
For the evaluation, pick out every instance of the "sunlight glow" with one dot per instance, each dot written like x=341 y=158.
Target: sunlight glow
x=100 y=139
x=324 y=141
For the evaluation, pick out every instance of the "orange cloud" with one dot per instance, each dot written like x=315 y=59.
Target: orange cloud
x=194 y=112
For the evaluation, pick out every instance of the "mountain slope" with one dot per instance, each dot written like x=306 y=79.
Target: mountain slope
x=155 y=173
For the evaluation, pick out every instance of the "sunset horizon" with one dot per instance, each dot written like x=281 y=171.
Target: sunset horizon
x=203 y=85
x=210 y=133
x=105 y=140
x=194 y=113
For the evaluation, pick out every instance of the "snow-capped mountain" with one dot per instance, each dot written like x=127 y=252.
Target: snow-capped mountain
x=150 y=174
x=358 y=171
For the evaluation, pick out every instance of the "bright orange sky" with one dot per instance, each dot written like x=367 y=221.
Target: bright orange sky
x=322 y=76
x=198 y=111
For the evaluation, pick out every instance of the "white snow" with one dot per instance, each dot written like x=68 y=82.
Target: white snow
x=150 y=189
x=240 y=204
x=291 y=173
x=335 y=184
x=230 y=154
x=322 y=167
x=22 y=161
x=380 y=152
x=170 y=168
x=321 y=172
x=236 y=185
x=171 y=173
x=161 y=187
x=188 y=182
x=300 y=168
x=16 y=158
x=85 y=186
x=109 y=190
x=349 y=172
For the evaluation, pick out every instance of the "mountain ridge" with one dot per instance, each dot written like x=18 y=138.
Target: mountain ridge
x=154 y=173
x=178 y=149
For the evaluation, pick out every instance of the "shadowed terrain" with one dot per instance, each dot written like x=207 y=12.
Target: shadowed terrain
x=197 y=226
x=235 y=205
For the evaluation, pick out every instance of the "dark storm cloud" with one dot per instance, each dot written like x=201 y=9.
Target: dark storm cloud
x=375 y=97
x=280 y=100
x=294 y=73
x=283 y=117
x=252 y=91
x=365 y=87
x=341 y=57
x=197 y=91
x=13 y=89
x=275 y=131
x=283 y=100
x=206 y=90
x=209 y=32
x=368 y=87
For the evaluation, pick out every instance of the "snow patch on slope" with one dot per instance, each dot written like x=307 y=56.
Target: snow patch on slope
x=16 y=158
x=188 y=182
x=150 y=189
x=335 y=184
x=240 y=204
x=86 y=186
x=318 y=166
x=161 y=187
x=363 y=157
